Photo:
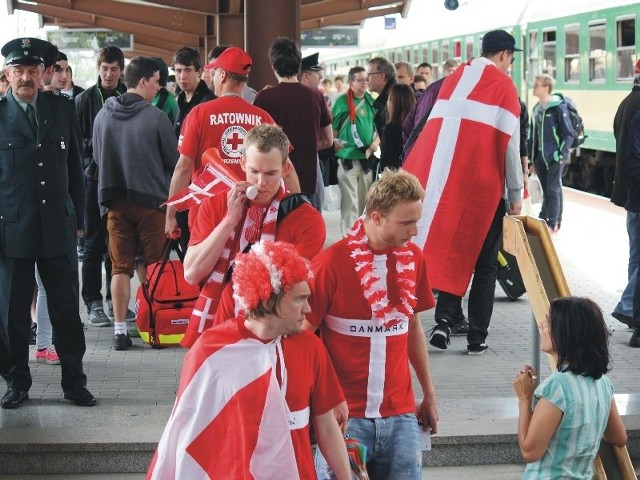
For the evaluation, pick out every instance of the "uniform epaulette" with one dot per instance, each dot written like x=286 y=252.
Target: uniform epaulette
x=56 y=93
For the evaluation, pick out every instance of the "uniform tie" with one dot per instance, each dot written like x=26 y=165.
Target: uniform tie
x=31 y=115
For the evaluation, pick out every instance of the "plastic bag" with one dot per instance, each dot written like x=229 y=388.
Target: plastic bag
x=332 y=198
x=535 y=189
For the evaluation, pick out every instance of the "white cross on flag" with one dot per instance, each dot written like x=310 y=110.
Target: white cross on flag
x=215 y=178
x=459 y=158
x=229 y=418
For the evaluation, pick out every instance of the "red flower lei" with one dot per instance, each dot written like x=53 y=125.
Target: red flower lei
x=372 y=289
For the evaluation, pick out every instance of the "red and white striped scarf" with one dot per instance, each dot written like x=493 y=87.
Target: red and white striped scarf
x=257 y=223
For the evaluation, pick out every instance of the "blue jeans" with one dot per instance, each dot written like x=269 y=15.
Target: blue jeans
x=625 y=305
x=551 y=180
x=393 y=448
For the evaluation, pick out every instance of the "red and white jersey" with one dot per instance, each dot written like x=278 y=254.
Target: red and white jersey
x=371 y=361
x=230 y=420
x=459 y=159
x=222 y=123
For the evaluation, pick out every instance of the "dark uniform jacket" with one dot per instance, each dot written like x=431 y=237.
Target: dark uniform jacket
x=627 y=109
x=88 y=104
x=41 y=183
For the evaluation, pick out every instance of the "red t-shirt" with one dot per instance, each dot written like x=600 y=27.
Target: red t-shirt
x=304 y=227
x=221 y=123
x=372 y=362
x=301 y=112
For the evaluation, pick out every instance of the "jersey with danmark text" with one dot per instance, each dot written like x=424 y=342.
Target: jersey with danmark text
x=371 y=360
x=222 y=123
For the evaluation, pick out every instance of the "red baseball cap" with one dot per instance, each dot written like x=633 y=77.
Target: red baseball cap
x=234 y=60
x=638 y=68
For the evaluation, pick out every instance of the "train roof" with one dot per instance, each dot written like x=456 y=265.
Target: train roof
x=429 y=20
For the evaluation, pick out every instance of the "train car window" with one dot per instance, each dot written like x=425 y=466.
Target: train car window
x=533 y=56
x=572 y=53
x=425 y=55
x=445 y=51
x=407 y=55
x=416 y=56
x=469 y=48
x=549 y=52
x=457 y=49
x=625 y=47
x=597 y=52
x=435 y=63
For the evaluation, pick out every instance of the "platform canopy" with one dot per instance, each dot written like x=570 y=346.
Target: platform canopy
x=160 y=27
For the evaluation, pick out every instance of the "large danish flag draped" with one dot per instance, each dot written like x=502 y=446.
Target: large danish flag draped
x=229 y=419
x=460 y=160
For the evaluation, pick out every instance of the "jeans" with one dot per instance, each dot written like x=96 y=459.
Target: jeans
x=95 y=247
x=551 y=180
x=483 y=286
x=393 y=447
x=625 y=305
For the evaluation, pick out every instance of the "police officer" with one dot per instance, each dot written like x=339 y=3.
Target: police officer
x=41 y=192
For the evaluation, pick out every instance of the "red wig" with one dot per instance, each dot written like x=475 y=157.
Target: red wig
x=266 y=270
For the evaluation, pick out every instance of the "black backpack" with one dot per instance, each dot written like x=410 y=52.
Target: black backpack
x=576 y=121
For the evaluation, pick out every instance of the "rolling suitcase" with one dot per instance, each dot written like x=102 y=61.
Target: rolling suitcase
x=509 y=276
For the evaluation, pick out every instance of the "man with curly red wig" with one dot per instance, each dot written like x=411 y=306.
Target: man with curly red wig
x=251 y=387
x=368 y=290
x=227 y=225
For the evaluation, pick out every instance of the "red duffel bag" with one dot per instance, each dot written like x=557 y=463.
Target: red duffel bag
x=164 y=302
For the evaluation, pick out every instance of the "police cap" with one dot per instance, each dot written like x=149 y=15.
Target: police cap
x=311 y=63
x=29 y=51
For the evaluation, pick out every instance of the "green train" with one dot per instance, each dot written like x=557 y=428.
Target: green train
x=590 y=51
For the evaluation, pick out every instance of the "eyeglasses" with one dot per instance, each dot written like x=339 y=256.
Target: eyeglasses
x=360 y=80
x=373 y=73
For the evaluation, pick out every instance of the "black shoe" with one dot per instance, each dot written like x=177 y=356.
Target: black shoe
x=33 y=333
x=462 y=327
x=634 y=341
x=440 y=334
x=80 y=396
x=122 y=341
x=622 y=318
x=477 y=349
x=14 y=398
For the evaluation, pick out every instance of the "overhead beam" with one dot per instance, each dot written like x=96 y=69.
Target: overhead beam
x=336 y=7
x=208 y=7
x=94 y=21
x=169 y=18
x=350 y=17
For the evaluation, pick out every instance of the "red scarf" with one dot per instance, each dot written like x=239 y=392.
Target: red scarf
x=257 y=223
x=372 y=285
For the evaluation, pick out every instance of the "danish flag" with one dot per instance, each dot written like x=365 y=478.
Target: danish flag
x=215 y=178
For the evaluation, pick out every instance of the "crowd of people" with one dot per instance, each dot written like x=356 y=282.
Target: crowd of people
x=421 y=212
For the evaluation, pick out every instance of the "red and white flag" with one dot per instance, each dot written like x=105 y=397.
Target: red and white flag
x=229 y=418
x=459 y=159
x=215 y=178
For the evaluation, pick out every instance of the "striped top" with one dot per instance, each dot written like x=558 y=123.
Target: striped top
x=586 y=404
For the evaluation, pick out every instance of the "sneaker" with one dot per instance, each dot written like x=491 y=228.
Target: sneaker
x=477 y=349
x=439 y=337
x=132 y=329
x=122 y=341
x=33 y=333
x=97 y=317
x=48 y=356
x=131 y=317
x=462 y=327
x=634 y=341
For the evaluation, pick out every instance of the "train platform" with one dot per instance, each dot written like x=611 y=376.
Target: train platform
x=478 y=408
